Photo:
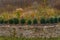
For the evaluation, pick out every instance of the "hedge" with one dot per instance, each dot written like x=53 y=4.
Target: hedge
x=29 y=22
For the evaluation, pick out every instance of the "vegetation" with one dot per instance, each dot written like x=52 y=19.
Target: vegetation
x=1 y=21
x=23 y=21
x=23 y=38
x=59 y=19
x=55 y=20
x=35 y=12
x=5 y=22
x=13 y=21
x=47 y=21
x=35 y=21
x=51 y=20
x=42 y=21
x=38 y=11
x=29 y=22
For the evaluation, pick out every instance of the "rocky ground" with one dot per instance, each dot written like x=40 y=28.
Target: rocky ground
x=30 y=30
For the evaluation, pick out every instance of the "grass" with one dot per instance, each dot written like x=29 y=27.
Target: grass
x=16 y=38
x=23 y=38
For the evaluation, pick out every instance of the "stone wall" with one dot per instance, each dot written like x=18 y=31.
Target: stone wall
x=30 y=30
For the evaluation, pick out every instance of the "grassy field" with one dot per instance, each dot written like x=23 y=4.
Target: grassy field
x=22 y=38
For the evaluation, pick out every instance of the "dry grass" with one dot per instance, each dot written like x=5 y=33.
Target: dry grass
x=30 y=14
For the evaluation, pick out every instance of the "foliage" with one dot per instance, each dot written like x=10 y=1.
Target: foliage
x=55 y=20
x=43 y=21
x=13 y=21
x=18 y=15
x=59 y=19
x=29 y=22
x=1 y=21
x=51 y=20
x=23 y=21
x=6 y=22
x=35 y=21
x=47 y=20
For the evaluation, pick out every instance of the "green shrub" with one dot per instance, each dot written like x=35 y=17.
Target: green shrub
x=29 y=22
x=47 y=21
x=23 y=21
x=43 y=21
x=35 y=21
x=14 y=21
x=51 y=20
x=59 y=19
x=55 y=20
x=1 y=21
x=10 y=21
x=6 y=22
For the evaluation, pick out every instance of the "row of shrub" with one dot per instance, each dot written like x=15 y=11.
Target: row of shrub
x=29 y=22
x=17 y=21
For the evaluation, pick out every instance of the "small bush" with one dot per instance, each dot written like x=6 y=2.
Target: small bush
x=47 y=21
x=59 y=19
x=10 y=21
x=6 y=22
x=43 y=21
x=23 y=21
x=14 y=21
x=55 y=20
x=29 y=22
x=51 y=20
x=35 y=21
x=1 y=21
